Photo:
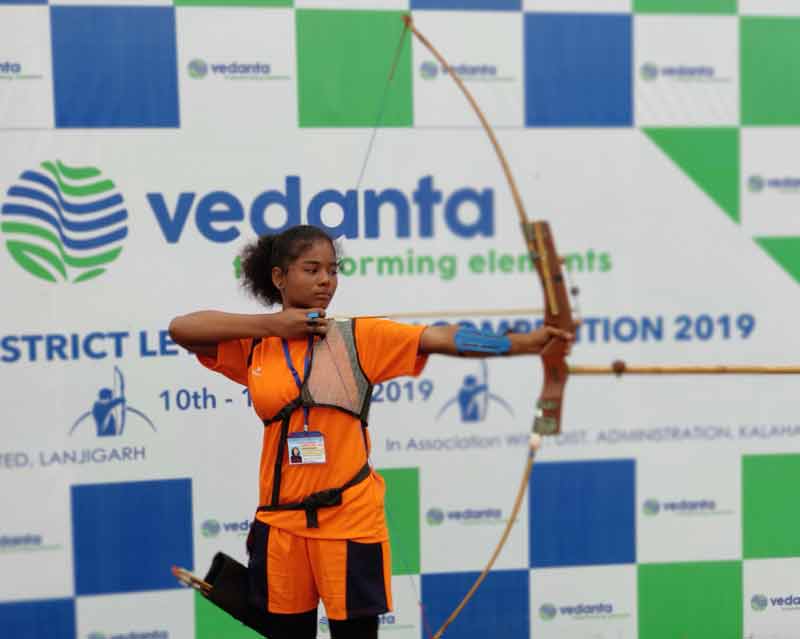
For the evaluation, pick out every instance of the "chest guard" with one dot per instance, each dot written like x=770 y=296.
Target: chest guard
x=334 y=380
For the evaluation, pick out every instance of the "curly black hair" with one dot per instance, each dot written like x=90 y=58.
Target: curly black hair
x=260 y=256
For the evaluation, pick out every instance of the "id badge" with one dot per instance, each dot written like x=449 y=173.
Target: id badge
x=306 y=447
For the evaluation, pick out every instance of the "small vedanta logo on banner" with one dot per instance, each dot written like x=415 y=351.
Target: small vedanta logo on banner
x=683 y=507
x=210 y=528
x=759 y=602
x=467 y=516
x=434 y=516
x=651 y=507
x=64 y=223
x=755 y=184
x=110 y=410
x=197 y=69
x=786 y=184
x=581 y=611
x=25 y=542
x=547 y=611
x=649 y=71
x=428 y=70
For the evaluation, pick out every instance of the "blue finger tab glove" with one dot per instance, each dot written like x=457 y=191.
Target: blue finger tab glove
x=469 y=340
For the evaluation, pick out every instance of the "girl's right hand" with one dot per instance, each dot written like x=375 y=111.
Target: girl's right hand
x=294 y=323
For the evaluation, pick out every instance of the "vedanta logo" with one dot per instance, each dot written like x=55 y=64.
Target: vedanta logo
x=437 y=516
x=199 y=68
x=64 y=223
x=211 y=528
x=760 y=602
x=218 y=215
x=549 y=611
x=652 y=507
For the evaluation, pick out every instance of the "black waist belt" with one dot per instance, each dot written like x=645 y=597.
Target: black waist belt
x=322 y=499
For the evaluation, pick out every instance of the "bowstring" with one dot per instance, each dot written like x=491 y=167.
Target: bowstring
x=382 y=107
x=401 y=557
x=370 y=146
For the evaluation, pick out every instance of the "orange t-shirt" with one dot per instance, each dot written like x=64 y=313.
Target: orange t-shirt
x=385 y=350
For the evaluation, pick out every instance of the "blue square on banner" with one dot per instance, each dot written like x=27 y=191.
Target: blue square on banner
x=43 y=619
x=468 y=5
x=583 y=513
x=578 y=69
x=127 y=536
x=114 y=66
x=500 y=607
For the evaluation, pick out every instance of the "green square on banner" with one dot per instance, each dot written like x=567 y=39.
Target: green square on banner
x=343 y=63
x=723 y=7
x=770 y=513
x=211 y=622
x=702 y=599
x=233 y=3
x=402 y=515
x=770 y=70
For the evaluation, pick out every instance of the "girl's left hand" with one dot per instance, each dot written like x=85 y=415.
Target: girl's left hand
x=538 y=339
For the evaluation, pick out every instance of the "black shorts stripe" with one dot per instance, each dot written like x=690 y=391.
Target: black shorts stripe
x=257 y=542
x=366 y=586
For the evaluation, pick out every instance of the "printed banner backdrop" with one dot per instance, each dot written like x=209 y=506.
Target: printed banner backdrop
x=145 y=142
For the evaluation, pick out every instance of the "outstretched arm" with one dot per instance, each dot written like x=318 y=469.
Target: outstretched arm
x=442 y=340
x=200 y=332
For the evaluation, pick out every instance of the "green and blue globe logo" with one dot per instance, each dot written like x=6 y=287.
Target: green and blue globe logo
x=434 y=516
x=756 y=184
x=64 y=223
x=649 y=71
x=210 y=528
x=651 y=507
x=547 y=611
x=758 y=602
x=429 y=70
x=197 y=68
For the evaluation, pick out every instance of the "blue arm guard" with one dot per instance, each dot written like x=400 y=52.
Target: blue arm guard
x=468 y=340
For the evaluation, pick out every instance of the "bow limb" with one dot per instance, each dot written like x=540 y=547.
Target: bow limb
x=557 y=313
x=539 y=242
x=503 y=538
x=523 y=217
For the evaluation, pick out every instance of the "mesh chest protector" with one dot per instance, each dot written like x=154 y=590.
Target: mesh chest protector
x=334 y=380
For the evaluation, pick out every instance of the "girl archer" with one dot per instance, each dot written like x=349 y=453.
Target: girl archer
x=320 y=529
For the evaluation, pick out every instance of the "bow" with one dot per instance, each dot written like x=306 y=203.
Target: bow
x=558 y=313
